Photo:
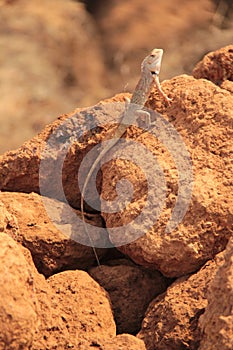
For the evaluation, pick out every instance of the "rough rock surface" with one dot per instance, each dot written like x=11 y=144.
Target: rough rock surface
x=125 y=281
x=18 y=306
x=171 y=320
x=75 y=313
x=69 y=310
x=65 y=140
x=123 y=342
x=24 y=217
x=202 y=113
x=90 y=319
x=216 y=66
x=217 y=321
x=60 y=308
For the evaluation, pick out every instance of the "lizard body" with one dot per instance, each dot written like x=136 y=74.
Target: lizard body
x=150 y=69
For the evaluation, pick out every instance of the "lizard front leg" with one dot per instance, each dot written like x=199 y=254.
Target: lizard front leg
x=160 y=90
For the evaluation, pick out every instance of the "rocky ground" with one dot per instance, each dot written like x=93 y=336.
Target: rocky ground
x=166 y=290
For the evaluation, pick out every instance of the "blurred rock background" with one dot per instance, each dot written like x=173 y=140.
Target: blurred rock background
x=56 y=55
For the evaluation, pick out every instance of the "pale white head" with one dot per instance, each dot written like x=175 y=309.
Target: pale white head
x=152 y=63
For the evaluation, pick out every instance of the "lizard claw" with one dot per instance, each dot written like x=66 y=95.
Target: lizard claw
x=145 y=116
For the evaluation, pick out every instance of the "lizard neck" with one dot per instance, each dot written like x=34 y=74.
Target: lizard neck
x=142 y=90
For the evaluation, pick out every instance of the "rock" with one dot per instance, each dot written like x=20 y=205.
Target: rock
x=207 y=136
x=26 y=220
x=52 y=331
x=18 y=304
x=216 y=66
x=202 y=114
x=125 y=282
x=70 y=309
x=28 y=320
x=171 y=320
x=36 y=163
x=73 y=310
x=67 y=310
x=84 y=308
x=123 y=342
x=45 y=73
x=217 y=321
x=8 y=222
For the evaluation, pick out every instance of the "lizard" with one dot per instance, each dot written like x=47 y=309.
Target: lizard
x=150 y=69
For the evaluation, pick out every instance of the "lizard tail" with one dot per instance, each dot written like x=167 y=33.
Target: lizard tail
x=84 y=220
x=83 y=191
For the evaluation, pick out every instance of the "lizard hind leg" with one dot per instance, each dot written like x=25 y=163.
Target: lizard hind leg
x=144 y=118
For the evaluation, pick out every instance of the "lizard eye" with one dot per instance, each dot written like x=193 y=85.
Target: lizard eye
x=154 y=73
x=152 y=55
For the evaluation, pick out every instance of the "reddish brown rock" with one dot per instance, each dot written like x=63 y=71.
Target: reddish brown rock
x=67 y=310
x=64 y=141
x=84 y=308
x=8 y=222
x=28 y=320
x=125 y=282
x=52 y=331
x=25 y=218
x=217 y=321
x=123 y=342
x=171 y=320
x=18 y=304
x=73 y=312
x=216 y=66
x=202 y=114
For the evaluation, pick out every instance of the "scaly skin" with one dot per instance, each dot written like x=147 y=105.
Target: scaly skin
x=150 y=69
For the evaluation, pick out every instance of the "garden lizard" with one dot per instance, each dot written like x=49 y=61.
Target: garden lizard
x=150 y=69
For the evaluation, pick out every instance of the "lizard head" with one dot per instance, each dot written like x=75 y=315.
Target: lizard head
x=151 y=64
